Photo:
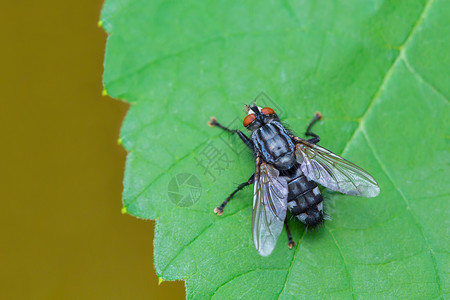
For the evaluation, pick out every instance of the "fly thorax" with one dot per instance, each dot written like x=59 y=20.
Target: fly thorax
x=276 y=147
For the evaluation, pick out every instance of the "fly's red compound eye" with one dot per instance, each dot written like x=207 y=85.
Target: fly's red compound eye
x=248 y=119
x=267 y=111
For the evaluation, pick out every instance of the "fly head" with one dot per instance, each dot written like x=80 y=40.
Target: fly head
x=258 y=117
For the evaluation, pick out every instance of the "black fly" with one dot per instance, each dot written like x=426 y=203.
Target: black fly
x=287 y=171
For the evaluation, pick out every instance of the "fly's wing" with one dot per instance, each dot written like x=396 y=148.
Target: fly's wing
x=269 y=206
x=334 y=172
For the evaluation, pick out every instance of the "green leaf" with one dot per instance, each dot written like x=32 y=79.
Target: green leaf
x=379 y=73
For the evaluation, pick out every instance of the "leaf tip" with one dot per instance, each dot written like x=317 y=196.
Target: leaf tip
x=104 y=92
x=100 y=23
x=124 y=210
x=119 y=141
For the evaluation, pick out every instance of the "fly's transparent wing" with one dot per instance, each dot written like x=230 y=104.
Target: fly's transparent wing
x=269 y=206
x=334 y=172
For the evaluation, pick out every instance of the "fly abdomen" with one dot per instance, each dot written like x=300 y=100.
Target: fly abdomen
x=305 y=201
x=299 y=186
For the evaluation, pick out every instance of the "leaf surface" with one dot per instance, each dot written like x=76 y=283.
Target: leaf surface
x=379 y=73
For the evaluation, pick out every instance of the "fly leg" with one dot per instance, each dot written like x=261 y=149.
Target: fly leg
x=219 y=210
x=291 y=243
x=213 y=122
x=308 y=132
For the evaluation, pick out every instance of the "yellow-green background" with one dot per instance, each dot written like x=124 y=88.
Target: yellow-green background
x=63 y=236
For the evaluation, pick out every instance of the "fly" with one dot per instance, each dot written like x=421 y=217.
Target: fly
x=288 y=170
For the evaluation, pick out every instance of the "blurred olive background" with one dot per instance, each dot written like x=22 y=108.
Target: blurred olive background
x=63 y=234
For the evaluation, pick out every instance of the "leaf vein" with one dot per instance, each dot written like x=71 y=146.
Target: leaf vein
x=198 y=235
x=388 y=75
x=175 y=163
x=240 y=275
x=196 y=45
x=350 y=281
x=291 y=264
x=408 y=208
x=422 y=79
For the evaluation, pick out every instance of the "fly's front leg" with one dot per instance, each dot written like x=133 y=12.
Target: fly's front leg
x=291 y=243
x=219 y=210
x=213 y=122
x=308 y=132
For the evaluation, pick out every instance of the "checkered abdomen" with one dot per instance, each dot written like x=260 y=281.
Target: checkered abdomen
x=305 y=200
